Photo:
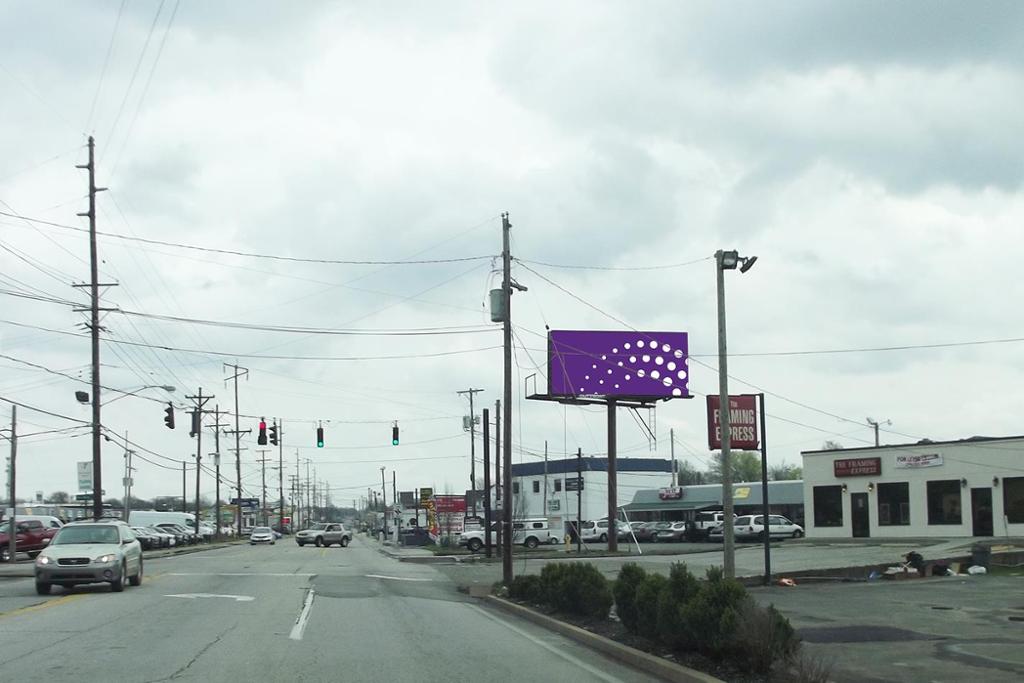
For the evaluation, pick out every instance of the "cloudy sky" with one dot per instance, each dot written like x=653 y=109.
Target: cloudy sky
x=868 y=153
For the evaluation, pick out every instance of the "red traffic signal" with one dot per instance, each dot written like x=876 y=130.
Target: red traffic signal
x=262 y=438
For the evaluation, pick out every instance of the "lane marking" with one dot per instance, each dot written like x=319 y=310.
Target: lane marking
x=43 y=605
x=394 y=578
x=193 y=596
x=304 y=576
x=537 y=641
x=300 y=623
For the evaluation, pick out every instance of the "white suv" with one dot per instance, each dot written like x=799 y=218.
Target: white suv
x=595 y=530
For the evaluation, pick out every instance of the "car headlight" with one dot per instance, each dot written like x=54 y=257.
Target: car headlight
x=43 y=559
x=103 y=559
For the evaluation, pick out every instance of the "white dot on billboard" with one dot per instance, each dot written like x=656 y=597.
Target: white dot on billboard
x=666 y=348
x=659 y=360
x=654 y=344
x=603 y=357
x=677 y=392
x=620 y=363
x=616 y=386
x=600 y=381
x=586 y=376
x=632 y=359
x=667 y=381
x=655 y=374
x=609 y=371
x=594 y=366
x=671 y=366
x=681 y=374
x=628 y=378
x=640 y=373
x=626 y=346
x=677 y=353
x=615 y=350
x=646 y=358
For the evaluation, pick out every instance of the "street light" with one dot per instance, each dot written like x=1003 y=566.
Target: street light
x=726 y=260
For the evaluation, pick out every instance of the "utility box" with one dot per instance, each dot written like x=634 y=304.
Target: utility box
x=498 y=312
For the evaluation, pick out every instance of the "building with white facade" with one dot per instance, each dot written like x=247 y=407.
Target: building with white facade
x=972 y=487
x=528 y=486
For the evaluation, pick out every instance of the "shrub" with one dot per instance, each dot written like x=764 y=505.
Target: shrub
x=679 y=591
x=808 y=668
x=763 y=637
x=647 y=596
x=526 y=588
x=624 y=589
x=711 y=616
x=576 y=588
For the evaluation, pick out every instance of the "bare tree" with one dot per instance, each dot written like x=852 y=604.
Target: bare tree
x=59 y=497
x=785 y=472
x=831 y=446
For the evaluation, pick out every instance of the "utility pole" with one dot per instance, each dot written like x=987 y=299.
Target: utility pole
x=613 y=480
x=184 y=489
x=216 y=463
x=384 y=494
x=472 y=443
x=94 y=329
x=11 y=535
x=487 y=483
x=239 y=372
x=875 y=424
x=725 y=420
x=309 y=507
x=200 y=401
x=544 y=505
x=579 y=500
x=395 y=519
x=280 y=472
x=127 y=476
x=506 y=285
x=497 y=477
x=672 y=446
x=263 y=482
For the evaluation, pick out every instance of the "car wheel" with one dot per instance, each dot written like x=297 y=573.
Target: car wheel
x=319 y=541
x=531 y=543
x=797 y=533
x=604 y=538
x=117 y=586
x=137 y=579
x=344 y=542
x=42 y=588
x=475 y=544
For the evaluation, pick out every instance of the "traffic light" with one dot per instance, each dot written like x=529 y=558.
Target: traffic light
x=394 y=434
x=195 y=423
x=273 y=434
x=319 y=437
x=169 y=417
x=262 y=438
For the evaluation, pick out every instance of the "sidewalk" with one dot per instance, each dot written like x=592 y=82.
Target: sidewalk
x=403 y=554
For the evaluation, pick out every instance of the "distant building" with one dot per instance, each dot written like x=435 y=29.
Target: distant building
x=970 y=487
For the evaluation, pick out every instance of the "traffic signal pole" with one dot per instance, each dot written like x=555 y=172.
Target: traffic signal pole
x=506 y=258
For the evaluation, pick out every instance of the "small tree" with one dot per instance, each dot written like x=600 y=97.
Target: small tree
x=745 y=466
x=59 y=497
x=785 y=472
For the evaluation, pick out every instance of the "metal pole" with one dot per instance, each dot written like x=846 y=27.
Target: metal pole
x=506 y=257
x=579 y=500
x=384 y=499
x=184 y=489
x=280 y=473
x=216 y=470
x=497 y=478
x=765 y=509
x=544 y=503
x=487 y=482
x=672 y=446
x=12 y=536
x=94 y=329
x=199 y=453
x=613 y=484
x=729 y=558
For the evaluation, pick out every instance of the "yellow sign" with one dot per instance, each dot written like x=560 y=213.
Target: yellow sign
x=741 y=492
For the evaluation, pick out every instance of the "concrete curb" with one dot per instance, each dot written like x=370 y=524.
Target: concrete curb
x=662 y=668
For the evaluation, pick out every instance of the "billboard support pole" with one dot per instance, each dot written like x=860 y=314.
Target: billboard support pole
x=506 y=559
x=487 y=482
x=579 y=500
x=729 y=549
x=613 y=488
x=764 y=500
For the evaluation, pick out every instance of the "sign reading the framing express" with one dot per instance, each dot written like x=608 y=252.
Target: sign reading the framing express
x=742 y=423
x=916 y=461
x=857 y=467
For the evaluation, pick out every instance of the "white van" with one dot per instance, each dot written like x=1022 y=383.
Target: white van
x=530 y=532
x=594 y=530
x=154 y=517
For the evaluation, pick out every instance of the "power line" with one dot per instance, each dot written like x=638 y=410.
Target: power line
x=618 y=268
x=250 y=254
x=106 y=62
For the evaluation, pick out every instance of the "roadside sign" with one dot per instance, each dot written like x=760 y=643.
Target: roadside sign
x=85 y=475
x=574 y=484
x=742 y=423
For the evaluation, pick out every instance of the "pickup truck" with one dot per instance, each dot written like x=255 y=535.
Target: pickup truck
x=323 y=535
x=31 y=534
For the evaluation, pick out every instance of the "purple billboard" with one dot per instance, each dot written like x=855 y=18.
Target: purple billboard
x=618 y=364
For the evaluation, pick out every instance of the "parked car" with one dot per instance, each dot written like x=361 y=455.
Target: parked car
x=627 y=531
x=262 y=534
x=167 y=539
x=751 y=527
x=324 y=535
x=530 y=532
x=594 y=530
x=96 y=552
x=146 y=539
x=32 y=537
x=675 y=533
x=181 y=536
x=706 y=520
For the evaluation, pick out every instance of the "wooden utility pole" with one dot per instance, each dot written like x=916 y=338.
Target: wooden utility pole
x=263 y=482
x=487 y=482
x=94 y=330
x=472 y=443
x=199 y=401
x=184 y=489
x=238 y=372
x=11 y=535
x=497 y=478
x=506 y=286
x=280 y=473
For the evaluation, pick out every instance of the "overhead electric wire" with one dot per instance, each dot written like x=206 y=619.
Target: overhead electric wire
x=250 y=254
x=618 y=268
x=106 y=62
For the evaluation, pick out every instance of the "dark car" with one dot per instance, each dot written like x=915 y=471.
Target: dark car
x=675 y=533
x=655 y=528
x=145 y=538
x=645 y=531
x=181 y=536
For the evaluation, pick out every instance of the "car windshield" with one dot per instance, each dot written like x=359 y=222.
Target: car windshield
x=317 y=527
x=85 y=534
x=261 y=530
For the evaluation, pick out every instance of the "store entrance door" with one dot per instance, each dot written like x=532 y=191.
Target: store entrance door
x=861 y=521
x=981 y=511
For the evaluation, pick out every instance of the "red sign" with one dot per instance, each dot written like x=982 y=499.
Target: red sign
x=670 y=493
x=857 y=467
x=742 y=423
x=447 y=504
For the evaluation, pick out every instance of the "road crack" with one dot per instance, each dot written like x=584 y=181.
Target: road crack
x=194 y=659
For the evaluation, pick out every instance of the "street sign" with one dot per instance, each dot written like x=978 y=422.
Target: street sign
x=554 y=505
x=574 y=484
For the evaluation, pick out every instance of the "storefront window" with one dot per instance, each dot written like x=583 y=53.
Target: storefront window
x=944 y=502
x=894 y=504
x=1013 y=499
x=828 y=506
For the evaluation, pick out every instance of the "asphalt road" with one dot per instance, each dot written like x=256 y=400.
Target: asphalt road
x=281 y=613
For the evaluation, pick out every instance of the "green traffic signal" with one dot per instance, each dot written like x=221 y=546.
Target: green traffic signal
x=394 y=435
x=319 y=437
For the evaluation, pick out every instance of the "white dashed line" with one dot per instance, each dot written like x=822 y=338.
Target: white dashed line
x=300 y=623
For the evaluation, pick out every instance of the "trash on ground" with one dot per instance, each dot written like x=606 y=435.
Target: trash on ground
x=789 y=583
x=976 y=570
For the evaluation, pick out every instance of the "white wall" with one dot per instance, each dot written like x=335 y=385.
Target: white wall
x=976 y=462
